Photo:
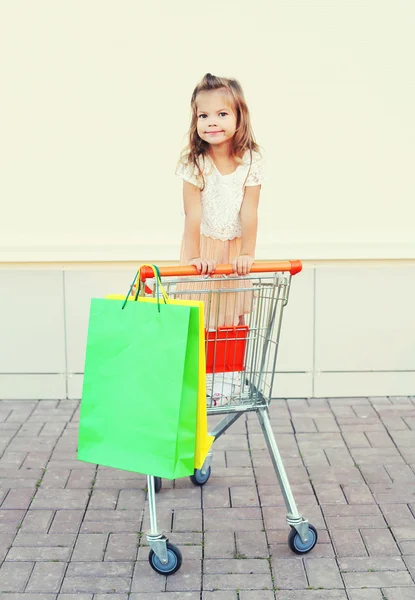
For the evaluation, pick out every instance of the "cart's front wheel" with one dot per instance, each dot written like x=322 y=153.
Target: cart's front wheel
x=297 y=545
x=199 y=478
x=173 y=564
x=158 y=482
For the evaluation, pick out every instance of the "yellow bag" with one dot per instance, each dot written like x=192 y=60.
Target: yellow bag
x=204 y=441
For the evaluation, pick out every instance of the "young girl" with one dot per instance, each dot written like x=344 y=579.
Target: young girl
x=222 y=172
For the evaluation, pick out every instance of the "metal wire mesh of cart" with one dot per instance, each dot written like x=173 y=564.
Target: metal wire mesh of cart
x=243 y=323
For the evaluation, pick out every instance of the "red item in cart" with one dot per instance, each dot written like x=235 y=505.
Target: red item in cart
x=225 y=349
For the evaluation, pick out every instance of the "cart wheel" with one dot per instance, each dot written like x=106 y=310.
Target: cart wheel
x=158 y=482
x=198 y=478
x=174 y=561
x=296 y=544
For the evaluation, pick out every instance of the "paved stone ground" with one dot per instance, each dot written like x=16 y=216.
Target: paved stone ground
x=71 y=531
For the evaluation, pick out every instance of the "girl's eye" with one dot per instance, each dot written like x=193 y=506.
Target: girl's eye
x=202 y=116
x=223 y=114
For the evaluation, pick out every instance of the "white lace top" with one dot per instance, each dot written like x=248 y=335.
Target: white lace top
x=223 y=194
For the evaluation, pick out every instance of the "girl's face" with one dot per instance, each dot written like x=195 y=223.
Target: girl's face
x=216 y=117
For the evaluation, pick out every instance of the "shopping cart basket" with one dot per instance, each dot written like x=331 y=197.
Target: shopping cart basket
x=241 y=358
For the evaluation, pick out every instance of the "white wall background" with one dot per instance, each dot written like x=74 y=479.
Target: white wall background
x=94 y=108
x=346 y=331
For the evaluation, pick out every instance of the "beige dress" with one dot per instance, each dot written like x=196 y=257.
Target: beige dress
x=220 y=237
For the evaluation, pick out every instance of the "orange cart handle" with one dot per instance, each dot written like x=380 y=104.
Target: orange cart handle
x=293 y=266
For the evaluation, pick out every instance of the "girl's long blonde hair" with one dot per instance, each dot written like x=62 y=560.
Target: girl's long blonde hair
x=243 y=139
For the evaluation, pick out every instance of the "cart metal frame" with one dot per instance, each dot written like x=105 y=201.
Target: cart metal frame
x=268 y=286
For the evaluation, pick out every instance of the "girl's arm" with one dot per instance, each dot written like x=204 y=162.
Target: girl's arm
x=249 y=223
x=193 y=216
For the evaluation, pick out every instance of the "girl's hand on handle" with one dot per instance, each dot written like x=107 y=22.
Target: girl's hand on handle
x=242 y=265
x=203 y=265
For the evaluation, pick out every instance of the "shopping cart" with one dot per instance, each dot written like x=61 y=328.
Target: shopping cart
x=240 y=365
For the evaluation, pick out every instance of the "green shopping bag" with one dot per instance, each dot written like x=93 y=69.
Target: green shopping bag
x=139 y=398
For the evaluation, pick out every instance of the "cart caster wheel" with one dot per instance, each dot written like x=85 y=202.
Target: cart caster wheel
x=174 y=561
x=158 y=482
x=198 y=478
x=296 y=544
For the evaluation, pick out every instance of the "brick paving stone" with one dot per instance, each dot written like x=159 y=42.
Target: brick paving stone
x=340 y=475
x=410 y=563
x=339 y=457
x=73 y=597
x=145 y=579
x=368 y=487
x=323 y=572
x=219 y=544
x=348 y=542
x=122 y=547
x=407 y=548
x=397 y=515
x=104 y=499
x=37 y=521
x=371 y=594
x=3 y=494
x=36 y=460
x=351 y=510
x=188 y=498
x=61 y=499
x=399 y=593
x=328 y=493
x=326 y=424
x=47 y=540
x=375 y=474
x=235 y=519
x=373 y=456
x=399 y=473
x=358 y=494
x=36 y=553
x=370 y=563
x=380 y=542
x=229 y=595
x=55 y=478
x=14 y=576
x=235 y=566
x=98 y=577
x=111 y=597
x=67 y=521
x=172 y=596
x=187 y=579
x=362 y=522
x=244 y=496
x=46 y=577
x=311 y=595
x=403 y=534
x=53 y=428
x=233 y=582
x=80 y=479
x=256 y=595
x=95 y=584
x=100 y=569
x=380 y=579
x=185 y=520
x=6 y=540
x=10 y=520
x=19 y=499
x=30 y=429
x=27 y=596
x=251 y=545
x=356 y=439
x=90 y=547
x=216 y=498
x=289 y=574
